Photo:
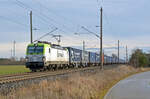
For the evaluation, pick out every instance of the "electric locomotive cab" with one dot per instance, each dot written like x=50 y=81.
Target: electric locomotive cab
x=35 y=56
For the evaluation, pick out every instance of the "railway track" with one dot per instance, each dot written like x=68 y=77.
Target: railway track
x=27 y=76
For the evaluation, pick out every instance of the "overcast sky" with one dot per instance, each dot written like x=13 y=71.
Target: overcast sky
x=124 y=20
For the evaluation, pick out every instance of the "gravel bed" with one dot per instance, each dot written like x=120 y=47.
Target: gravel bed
x=8 y=87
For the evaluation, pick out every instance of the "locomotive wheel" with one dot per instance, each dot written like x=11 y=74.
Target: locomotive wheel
x=33 y=70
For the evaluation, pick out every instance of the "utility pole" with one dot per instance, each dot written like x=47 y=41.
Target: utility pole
x=126 y=54
x=31 y=30
x=101 y=37
x=118 y=50
x=14 y=49
x=83 y=52
x=11 y=51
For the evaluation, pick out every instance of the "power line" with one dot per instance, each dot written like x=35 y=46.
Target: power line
x=49 y=33
x=118 y=50
x=14 y=49
x=55 y=13
x=42 y=16
x=100 y=3
x=20 y=5
x=67 y=19
x=28 y=7
x=90 y=32
x=23 y=6
x=126 y=54
x=10 y=20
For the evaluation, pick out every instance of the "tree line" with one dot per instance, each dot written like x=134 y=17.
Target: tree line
x=12 y=61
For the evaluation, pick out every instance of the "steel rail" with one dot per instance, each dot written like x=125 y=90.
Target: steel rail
x=14 y=78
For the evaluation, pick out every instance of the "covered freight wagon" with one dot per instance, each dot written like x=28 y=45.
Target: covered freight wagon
x=85 y=58
x=108 y=59
x=105 y=59
x=75 y=56
x=97 y=58
x=92 y=58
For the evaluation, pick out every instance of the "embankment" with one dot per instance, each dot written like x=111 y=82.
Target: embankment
x=87 y=85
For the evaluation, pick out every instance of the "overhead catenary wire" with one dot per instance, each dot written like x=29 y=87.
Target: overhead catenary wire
x=61 y=16
x=100 y=3
x=16 y=22
x=52 y=12
x=41 y=18
x=46 y=34
x=42 y=14
x=44 y=17
x=12 y=19
x=25 y=6
x=28 y=8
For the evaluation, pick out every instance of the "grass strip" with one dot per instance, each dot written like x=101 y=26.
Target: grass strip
x=13 y=69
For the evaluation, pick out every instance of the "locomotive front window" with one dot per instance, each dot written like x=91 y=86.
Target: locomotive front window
x=35 y=49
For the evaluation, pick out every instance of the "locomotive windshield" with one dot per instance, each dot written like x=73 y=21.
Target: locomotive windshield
x=35 y=50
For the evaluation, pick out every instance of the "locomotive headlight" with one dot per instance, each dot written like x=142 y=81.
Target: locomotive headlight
x=27 y=58
x=43 y=58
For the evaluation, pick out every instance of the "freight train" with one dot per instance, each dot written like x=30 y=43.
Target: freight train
x=46 y=56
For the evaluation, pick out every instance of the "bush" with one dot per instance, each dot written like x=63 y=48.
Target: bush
x=139 y=59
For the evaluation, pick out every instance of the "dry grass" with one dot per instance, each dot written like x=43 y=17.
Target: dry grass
x=88 y=86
